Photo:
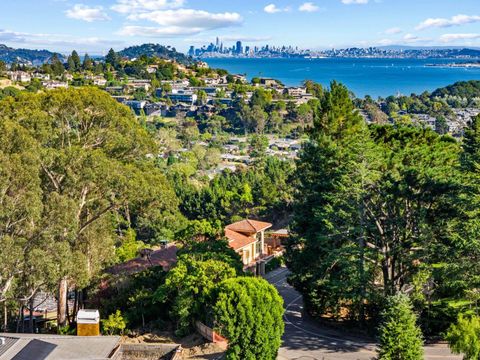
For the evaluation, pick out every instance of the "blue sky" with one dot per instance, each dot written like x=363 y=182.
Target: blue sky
x=95 y=26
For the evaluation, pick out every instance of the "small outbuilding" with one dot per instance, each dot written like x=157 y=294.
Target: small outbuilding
x=88 y=323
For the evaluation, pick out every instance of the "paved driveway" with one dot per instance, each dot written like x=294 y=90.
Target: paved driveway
x=305 y=339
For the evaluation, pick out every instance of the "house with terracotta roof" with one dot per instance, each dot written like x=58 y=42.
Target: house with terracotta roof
x=247 y=238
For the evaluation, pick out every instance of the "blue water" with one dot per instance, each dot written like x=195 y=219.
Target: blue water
x=375 y=77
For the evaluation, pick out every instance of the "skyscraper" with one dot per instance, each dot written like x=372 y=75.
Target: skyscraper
x=239 y=48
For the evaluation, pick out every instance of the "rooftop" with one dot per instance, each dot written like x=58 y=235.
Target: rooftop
x=237 y=240
x=249 y=227
x=56 y=347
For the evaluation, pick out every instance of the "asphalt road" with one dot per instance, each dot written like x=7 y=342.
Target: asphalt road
x=305 y=339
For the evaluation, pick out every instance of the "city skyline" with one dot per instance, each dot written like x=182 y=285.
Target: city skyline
x=95 y=26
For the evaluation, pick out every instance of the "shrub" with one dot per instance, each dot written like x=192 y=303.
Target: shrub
x=273 y=264
x=189 y=287
x=248 y=312
x=114 y=324
x=399 y=335
x=464 y=337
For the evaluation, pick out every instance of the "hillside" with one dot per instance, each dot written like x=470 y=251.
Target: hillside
x=463 y=89
x=24 y=56
x=157 y=50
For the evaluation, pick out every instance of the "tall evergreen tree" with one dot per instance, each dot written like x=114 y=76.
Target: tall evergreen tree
x=76 y=60
x=57 y=66
x=112 y=58
x=87 y=63
x=400 y=338
x=372 y=204
x=70 y=64
x=333 y=173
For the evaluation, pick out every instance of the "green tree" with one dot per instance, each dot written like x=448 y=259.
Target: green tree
x=115 y=324
x=112 y=58
x=76 y=60
x=70 y=64
x=399 y=336
x=258 y=146
x=464 y=337
x=94 y=178
x=334 y=172
x=57 y=66
x=371 y=201
x=189 y=287
x=87 y=63
x=249 y=313
x=129 y=247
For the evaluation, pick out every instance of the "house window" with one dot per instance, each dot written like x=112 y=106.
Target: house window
x=258 y=248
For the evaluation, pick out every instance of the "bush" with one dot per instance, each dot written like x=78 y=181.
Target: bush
x=114 y=324
x=248 y=312
x=464 y=337
x=188 y=289
x=133 y=296
x=273 y=264
x=399 y=335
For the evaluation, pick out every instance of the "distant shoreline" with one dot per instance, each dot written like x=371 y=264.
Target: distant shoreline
x=453 y=64
x=457 y=65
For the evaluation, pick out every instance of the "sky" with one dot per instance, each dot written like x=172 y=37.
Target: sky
x=97 y=25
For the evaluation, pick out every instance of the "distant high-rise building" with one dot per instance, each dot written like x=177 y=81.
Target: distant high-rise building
x=191 y=52
x=239 y=48
x=218 y=42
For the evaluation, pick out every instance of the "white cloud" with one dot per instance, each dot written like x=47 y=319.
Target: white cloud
x=180 y=22
x=152 y=31
x=393 y=31
x=131 y=6
x=60 y=42
x=349 y=2
x=87 y=13
x=272 y=9
x=308 y=7
x=446 y=38
x=456 y=20
x=190 y=18
x=405 y=40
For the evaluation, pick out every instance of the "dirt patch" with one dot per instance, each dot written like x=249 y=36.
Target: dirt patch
x=193 y=346
x=149 y=338
x=206 y=351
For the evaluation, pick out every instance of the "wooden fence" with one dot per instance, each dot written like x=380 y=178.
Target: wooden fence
x=211 y=335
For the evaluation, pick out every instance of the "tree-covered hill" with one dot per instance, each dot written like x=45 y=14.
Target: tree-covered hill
x=28 y=56
x=150 y=50
x=465 y=89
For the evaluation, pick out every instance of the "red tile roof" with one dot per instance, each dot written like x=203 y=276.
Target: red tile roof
x=249 y=227
x=237 y=240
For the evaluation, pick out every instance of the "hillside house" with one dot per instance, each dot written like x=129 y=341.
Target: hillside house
x=247 y=238
x=20 y=76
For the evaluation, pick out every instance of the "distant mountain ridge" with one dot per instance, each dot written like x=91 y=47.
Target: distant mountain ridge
x=161 y=51
x=25 y=56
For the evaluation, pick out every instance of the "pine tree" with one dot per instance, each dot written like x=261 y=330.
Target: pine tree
x=464 y=337
x=332 y=172
x=87 y=63
x=112 y=58
x=70 y=64
x=400 y=338
x=76 y=60
x=471 y=146
x=57 y=66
